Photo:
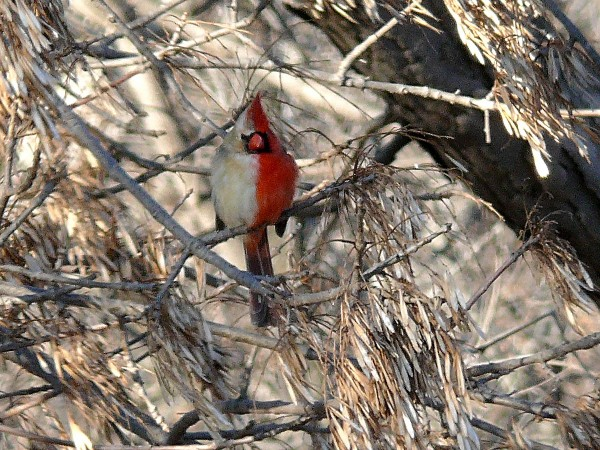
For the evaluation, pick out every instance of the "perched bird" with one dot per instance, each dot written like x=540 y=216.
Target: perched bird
x=253 y=181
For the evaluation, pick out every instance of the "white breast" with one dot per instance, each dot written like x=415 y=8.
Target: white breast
x=233 y=181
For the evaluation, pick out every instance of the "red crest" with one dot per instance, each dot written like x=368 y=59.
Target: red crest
x=257 y=115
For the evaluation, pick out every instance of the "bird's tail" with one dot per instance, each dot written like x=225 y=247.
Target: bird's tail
x=258 y=262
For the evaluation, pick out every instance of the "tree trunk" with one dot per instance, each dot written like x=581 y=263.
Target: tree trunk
x=502 y=172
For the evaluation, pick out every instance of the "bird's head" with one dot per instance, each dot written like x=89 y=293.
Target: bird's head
x=252 y=132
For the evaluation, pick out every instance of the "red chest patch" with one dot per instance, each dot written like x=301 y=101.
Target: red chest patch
x=276 y=183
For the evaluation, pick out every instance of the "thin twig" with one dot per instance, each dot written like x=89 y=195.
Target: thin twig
x=138 y=382
x=334 y=293
x=327 y=192
x=30 y=294
x=315 y=297
x=394 y=259
x=82 y=282
x=246 y=436
x=35 y=203
x=482 y=104
x=34 y=436
x=28 y=391
x=491 y=428
x=362 y=47
x=102 y=89
x=245 y=406
x=138 y=23
x=500 y=368
x=362 y=83
x=373 y=38
x=246 y=337
x=514 y=330
x=538 y=409
x=156 y=65
x=505 y=435
x=33 y=402
x=171 y=279
x=493 y=277
x=22 y=343
x=251 y=434
x=157 y=168
x=217 y=237
x=171 y=50
x=9 y=147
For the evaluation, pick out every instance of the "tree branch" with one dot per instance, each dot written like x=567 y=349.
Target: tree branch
x=81 y=282
x=500 y=368
x=243 y=406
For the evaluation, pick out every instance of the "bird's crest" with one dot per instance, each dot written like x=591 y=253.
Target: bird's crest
x=257 y=114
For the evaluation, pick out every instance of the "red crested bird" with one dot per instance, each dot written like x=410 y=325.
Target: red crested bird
x=253 y=181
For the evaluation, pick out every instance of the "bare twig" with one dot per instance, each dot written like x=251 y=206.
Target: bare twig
x=34 y=436
x=505 y=435
x=157 y=168
x=327 y=192
x=538 y=409
x=37 y=201
x=18 y=409
x=315 y=297
x=82 y=282
x=167 y=52
x=252 y=434
x=493 y=277
x=171 y=279
x=482 y=104
x=157 y=66
x=246 y=436
x=394 y=259
x=138 y=23
x=239 y=335
x=245 y=406
x=514 y=330
x=500 y=368
x=373 y=38
x=28 y=391
x=362 y=83
x=217 y=237
x=362 y=47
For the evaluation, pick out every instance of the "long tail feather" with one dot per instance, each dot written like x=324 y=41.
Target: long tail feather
x=258 y=261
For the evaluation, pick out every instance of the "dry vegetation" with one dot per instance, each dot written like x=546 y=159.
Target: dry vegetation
x=415 y=318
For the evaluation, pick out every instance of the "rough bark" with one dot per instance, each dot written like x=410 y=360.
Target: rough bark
x=502 y=172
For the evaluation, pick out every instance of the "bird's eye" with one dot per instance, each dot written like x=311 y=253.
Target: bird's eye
x=256 y=142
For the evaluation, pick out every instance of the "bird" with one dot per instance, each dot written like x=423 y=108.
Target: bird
x=253 y=181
